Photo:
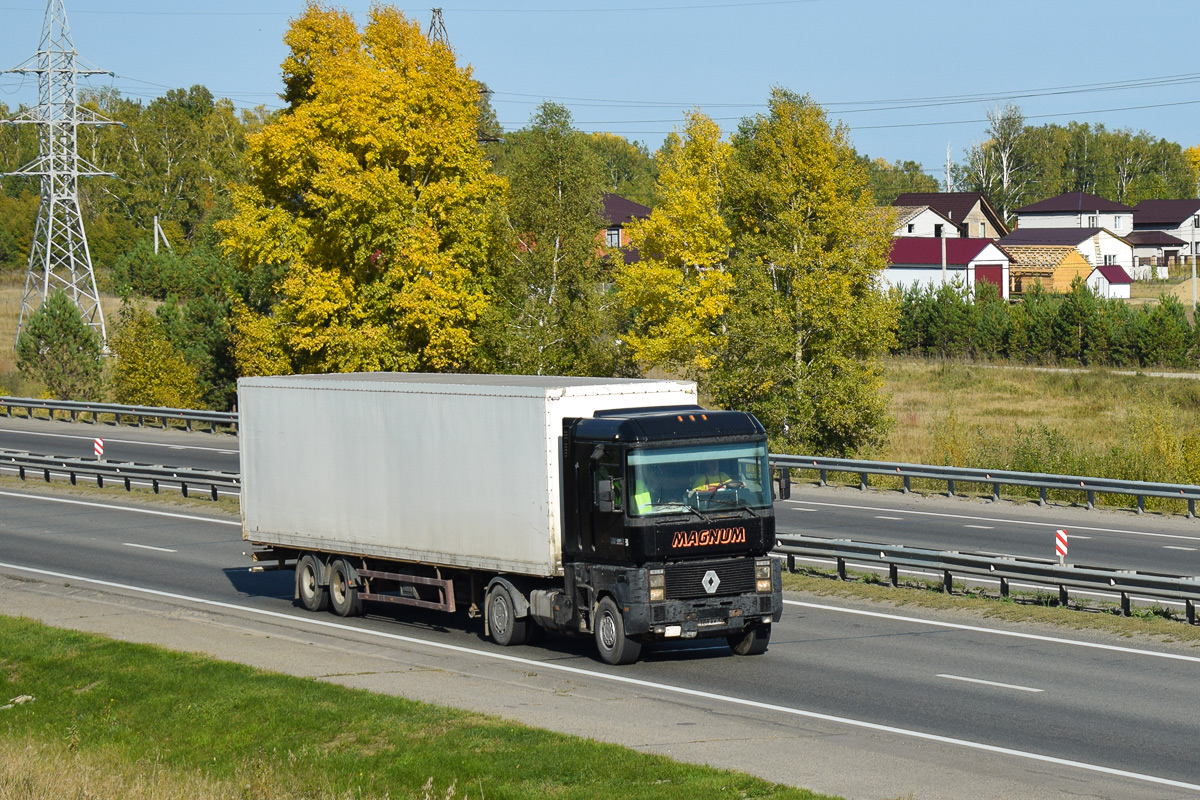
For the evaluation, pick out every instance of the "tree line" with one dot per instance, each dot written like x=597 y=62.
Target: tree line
x=1018 y=164
x=1075 y=327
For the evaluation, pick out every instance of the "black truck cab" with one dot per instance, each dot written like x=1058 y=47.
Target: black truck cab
x=668 y=512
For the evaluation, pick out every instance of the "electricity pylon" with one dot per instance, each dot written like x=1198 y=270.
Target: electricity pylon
x=437 y=28
x=59 y=257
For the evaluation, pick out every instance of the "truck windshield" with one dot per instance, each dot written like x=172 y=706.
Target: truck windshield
x=717 y=477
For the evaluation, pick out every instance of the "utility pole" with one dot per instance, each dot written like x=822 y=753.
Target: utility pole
x=437 y=28
x=947 y=167
x=59 y=257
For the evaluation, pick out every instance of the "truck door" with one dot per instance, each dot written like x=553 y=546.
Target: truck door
x=608 y=501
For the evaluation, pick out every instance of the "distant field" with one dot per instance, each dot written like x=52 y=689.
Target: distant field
x=1084 y=421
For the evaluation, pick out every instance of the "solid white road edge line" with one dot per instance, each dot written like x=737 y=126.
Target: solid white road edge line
x=100 y=435
x=131 y=510
x=150 y=547
x=1014 y=634
x=989 y=683
x=992 y=519
x=667 y=688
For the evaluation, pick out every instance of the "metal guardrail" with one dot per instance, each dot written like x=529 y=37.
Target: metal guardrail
x=1139 y=490
x=119 y=471
x=1044 y=483
x=1038 y=571
x=215 y=420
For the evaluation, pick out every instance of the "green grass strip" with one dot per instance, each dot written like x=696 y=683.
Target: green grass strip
x=223 y=729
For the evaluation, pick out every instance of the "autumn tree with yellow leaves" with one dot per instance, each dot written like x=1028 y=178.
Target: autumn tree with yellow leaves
x=678 y=290
x=808 y=325
x=370 y=204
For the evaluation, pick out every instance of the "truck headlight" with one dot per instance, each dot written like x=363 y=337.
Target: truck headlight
x=762 y=575
x=658 y=583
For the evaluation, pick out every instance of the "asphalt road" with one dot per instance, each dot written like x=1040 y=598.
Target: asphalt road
x=1115 y=539
x=857 y=700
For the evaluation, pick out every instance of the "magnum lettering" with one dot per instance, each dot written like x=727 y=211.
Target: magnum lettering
x=709 y=537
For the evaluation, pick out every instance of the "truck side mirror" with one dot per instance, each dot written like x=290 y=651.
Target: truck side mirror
x=604 y=495
x=785 y=483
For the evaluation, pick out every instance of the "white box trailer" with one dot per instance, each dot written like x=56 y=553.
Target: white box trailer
x=449 y=470
x=515 y=493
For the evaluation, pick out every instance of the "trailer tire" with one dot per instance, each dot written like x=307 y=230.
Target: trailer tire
x=506 y=629
x=611 y=642
x=752 y=641
x=313 y=596
x=343 y=594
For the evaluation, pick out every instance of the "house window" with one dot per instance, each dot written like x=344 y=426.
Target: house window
x=911 y=227
x=1093 y=222
x=1196 y=221
x=1110 y=260
x=1117 y=223
x=982 y=230
x=937 y=231
x=613 y=236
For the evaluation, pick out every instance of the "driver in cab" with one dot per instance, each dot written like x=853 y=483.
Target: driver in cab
x=711 y=479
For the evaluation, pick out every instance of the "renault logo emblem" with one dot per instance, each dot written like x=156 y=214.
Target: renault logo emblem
x=710 y=581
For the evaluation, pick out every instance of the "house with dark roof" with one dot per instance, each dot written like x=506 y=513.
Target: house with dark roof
x=619 y=212
x=1077 y=210
x=924 y=221
x=1099 y=246
x=1110 y=282
x=918 y=261
x=1165 y=230
x=969 y=211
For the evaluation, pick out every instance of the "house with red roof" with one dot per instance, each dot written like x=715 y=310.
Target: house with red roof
x=969 y=211
x=917 y=261
x=1077 y=210
x=1110 y=282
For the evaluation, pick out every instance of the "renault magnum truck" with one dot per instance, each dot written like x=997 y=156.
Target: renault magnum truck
x=618 y=509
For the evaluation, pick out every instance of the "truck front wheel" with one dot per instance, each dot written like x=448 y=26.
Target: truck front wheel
x=609 y=626
x=750 y=642
x=506 y=629
x=343 y=594
x=313 y=596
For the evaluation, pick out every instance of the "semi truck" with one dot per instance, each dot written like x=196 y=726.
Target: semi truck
x=619 y=509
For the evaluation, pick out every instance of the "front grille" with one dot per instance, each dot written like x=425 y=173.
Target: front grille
x=686 y=581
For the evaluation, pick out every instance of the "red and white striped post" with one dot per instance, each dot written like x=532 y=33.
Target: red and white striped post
x=1060 y=546
x=98 y=447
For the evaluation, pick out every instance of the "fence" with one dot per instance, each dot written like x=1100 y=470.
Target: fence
x=215 y=420
x=1088 y=487
x=124 y=472
x=1038 y=571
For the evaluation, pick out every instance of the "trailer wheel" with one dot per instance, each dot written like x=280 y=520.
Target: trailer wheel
x=343 y=594
x=612 y=643
x=503 y=624
x=313 y=596
x=750 y=642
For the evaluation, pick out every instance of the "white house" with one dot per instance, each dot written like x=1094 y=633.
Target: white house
x=1077 y=210
x=924 y=221
x=970 y=212
x=1099 y=246
x=1166 y=229
x=917 y=261
x=1110 y=282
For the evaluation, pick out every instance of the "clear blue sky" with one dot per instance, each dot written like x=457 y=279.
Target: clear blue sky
x=909 y=78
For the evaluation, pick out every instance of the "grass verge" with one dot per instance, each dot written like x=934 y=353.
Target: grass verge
x=111 y=719
x=1084 y=614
